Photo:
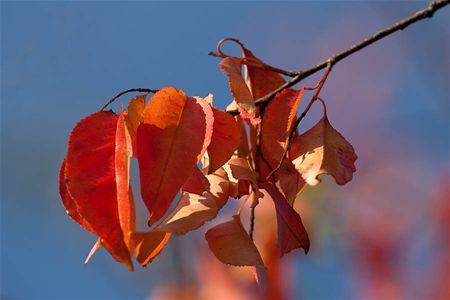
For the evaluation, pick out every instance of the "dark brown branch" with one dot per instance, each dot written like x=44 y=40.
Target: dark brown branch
x=427 y=12
x=252 y=222
x=139 y=90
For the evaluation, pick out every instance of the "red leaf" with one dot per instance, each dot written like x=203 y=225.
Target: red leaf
x=225 y=140
x=197 y=183
x=125 y=200
x=278 y=119
x=170 y=143
x=91 y=180
x=69 y=203
x=260 y=81
x=291 y=232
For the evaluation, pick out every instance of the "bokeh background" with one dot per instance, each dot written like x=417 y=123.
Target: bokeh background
x=385 y=234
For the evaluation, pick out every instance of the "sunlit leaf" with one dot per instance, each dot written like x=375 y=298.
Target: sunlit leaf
x=278 y=119
x=149 y=245
x=225 y=140
x=323 y=150
x=91 y=180
x=231 y=244
x=170 y=143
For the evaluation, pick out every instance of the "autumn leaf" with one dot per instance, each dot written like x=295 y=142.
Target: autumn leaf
x=231 y=67
x=149 y=245
x=291 y=232
x=225 y=140
x=278 y=119
x=134 y=118
x=240 y=169
x=68 y=202
x=231 y=244
x=191 y=212
x=289 y=181
x=260 y=81
x=170 y=143
x=125 y=199
x=90 y=178
x=197 y=183
x=219 y=187
x=323 y=150
x=201 y=200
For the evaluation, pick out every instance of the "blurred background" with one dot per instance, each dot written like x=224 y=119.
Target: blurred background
x=386 y=234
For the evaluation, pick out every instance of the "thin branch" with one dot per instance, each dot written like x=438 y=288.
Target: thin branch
x=252 y=222
x=139 y=90
x=427 y=12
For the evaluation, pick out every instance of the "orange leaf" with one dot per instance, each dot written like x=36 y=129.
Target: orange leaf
x=278 y=118
x=323 y=150
x=199 y=203
x=291 y=232
x=149 y=245
x=220 y=187
x=134 y=117
x=225 y=140
x=125 y=200
x=191 y=212
x=289 y=181
x=91 y=180
x=170 y=143
x=240 y=169
x=231 y=67
x=231 y=244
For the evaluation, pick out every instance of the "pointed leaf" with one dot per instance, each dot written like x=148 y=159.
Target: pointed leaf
x=231 y=244
x=134 y=117
x=149 y=245
x=170 y=144
x=91 y=180
x=225 y=140
x=125 y=199
x=260 y=81
x=240 y=169
x=219 y=187
x=69 y=203
x=197 y=183
x=323 y=150
x=191 y=212
x=278 y=119
x=291 y=232
x=231 y=67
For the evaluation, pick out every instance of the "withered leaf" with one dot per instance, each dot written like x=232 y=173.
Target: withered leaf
x=323 y=150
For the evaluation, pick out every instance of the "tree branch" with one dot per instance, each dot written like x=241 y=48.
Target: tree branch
x=140 y=90
x=427 y=12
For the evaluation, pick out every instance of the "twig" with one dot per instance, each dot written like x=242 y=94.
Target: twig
x=252 y=222
x=420 y=15
x=139 y=90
